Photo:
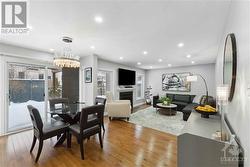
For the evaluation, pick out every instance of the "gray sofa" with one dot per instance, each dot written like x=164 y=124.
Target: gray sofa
x=184 y=103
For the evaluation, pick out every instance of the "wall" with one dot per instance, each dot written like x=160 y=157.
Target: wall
x=154 y=79
x=238 y=111
x=88 y=91
x=110 y=66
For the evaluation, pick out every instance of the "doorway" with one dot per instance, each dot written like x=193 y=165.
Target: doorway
x=26 y=87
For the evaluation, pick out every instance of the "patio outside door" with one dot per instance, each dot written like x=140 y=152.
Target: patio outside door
x=26 y=87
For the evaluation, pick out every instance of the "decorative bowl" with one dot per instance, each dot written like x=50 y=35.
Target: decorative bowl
x=205 y=114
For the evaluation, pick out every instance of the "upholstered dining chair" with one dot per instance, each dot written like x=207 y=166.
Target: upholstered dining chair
x=44 y=131
x=98 y=101
x=55 y=103
x=87 y=127
x=117 y=108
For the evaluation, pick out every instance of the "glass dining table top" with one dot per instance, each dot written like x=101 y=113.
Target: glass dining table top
x=69 y=109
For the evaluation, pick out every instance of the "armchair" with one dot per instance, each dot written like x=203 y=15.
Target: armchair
x=117 y=108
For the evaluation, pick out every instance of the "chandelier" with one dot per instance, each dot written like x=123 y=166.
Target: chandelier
x=66 y=58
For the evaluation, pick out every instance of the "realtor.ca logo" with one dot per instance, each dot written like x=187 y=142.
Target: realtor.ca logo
x=14 y=17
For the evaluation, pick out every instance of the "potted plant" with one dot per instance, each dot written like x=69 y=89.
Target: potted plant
x=166 y=101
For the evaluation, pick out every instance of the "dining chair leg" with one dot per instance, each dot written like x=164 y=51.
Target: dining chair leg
x=69 y=136
x=103 y=127
x=100 y=139
x=82 y=148
x=39 y=149
x=33 y=143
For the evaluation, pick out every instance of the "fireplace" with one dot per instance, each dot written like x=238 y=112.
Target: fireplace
x=127 y=96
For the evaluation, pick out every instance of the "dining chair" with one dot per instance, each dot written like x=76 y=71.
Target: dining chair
x=58 y=103
x=98 y=101
x=44 y=131
x=87 y=127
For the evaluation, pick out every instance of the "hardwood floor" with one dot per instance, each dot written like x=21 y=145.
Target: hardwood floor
x=125 y=145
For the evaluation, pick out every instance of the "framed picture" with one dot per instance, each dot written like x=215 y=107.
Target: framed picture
x=88 y=74
x=176 y=82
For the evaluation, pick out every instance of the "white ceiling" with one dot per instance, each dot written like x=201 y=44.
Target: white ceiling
x=128 y=29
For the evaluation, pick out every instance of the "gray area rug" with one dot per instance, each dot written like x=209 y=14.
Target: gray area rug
x=149 y=118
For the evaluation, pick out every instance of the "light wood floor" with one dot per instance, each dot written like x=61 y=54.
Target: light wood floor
x=125 y=145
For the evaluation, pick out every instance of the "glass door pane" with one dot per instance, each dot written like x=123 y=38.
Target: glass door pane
x=26 y=87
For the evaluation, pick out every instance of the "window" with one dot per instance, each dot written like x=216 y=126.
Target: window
x=104 y=82
x=139 y=87
x=40 y=76
x=21 y=75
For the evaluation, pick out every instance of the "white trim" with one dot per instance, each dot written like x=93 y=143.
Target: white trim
x=17 y=131
x=6 y=59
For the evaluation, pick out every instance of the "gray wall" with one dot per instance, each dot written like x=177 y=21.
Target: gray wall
x=154 y=79
x=238 y=111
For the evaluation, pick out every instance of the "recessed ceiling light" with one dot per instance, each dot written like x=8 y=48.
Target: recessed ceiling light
x=138 y=63
x=121 y=58
x=160 y=60
x=145 y=52
x=192 y=62
x=52 y=50
x=151 y=67
x=188 y=56
x=180 y=45
x=98 y=19
x=92 y=47
x=169 y=65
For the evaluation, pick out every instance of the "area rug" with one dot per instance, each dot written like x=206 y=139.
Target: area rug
x=149 y=118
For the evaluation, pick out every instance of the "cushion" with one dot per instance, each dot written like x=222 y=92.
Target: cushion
x=192 y=98
x=179 y=103
x=183 y=98
x=54 y=128
x=76 y=128
x=171 y=96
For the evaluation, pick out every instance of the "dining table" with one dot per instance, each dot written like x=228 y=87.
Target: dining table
x=69 y=114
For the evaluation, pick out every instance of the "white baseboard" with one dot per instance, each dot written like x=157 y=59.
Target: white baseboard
x=136 y=105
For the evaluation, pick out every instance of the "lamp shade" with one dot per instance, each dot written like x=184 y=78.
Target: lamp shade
x=222 y=93
x=192 y=78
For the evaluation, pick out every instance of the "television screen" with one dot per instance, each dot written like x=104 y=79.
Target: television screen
x=126 y=77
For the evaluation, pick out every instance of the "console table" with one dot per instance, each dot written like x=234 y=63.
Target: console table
x=196 y=146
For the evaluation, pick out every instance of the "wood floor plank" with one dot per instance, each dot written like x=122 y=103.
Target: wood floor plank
x=125 y=145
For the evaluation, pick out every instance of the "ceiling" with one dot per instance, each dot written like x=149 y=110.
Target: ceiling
x=128 y=29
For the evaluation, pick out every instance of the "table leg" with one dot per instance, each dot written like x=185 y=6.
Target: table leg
x=61 y=139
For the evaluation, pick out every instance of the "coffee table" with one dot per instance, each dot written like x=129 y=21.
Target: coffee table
x=166 y=109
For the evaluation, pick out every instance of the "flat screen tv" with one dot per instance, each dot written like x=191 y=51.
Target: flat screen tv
x=126 y=77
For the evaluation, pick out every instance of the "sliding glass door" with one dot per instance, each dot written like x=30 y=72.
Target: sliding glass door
x=26 y=87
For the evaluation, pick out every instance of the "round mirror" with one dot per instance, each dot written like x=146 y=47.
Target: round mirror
x=230 y=64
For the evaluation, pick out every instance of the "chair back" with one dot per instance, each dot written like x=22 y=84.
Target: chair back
x=96 y=110
x=211 y=100
x=36 y=119
x=55 y=101
x=100 y=100
x=109 y=97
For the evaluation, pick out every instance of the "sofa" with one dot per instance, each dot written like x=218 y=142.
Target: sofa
x=184 y=103
x=181 y=100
